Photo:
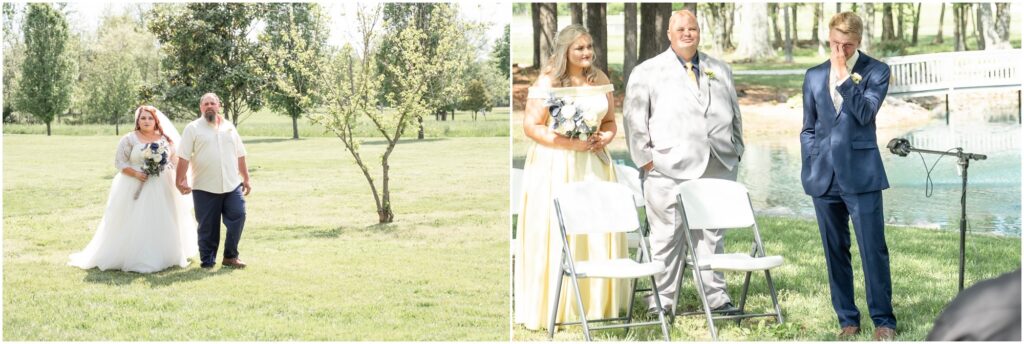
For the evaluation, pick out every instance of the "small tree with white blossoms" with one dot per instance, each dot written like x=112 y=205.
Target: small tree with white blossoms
x=354 y=86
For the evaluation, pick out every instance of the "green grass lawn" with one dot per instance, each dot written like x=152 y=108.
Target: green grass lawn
x=320 y=269
x=924 y=277
x=267 y=123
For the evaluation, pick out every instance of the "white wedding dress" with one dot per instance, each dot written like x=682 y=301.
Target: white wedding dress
x=148 y=234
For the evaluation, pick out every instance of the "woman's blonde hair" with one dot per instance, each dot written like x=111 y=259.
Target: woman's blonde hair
x=558 y=63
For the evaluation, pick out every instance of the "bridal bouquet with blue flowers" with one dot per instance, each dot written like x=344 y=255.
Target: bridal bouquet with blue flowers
x=569 y=120
x=155 y=157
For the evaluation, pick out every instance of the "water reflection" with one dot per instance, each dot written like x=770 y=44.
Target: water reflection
x=993 y=192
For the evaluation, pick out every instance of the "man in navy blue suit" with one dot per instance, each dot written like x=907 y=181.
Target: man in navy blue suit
x=843 y=173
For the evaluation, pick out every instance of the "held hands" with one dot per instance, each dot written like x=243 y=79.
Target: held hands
x=183 y=187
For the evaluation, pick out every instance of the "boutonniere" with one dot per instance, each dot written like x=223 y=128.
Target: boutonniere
x=856 y=78
x=710 y=74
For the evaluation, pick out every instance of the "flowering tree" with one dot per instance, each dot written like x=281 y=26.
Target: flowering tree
x=354 y=89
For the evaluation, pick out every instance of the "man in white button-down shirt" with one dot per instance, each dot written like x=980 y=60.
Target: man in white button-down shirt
x=215 y=152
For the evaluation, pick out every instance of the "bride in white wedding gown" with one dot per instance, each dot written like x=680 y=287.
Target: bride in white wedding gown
x=154 y=231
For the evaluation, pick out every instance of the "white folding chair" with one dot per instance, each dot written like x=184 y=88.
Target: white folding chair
x=723 y=204
x=630 y=177
x=596 y=208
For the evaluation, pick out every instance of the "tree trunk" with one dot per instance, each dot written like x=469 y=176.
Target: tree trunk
x=549 y=27
x=773 y=12
x=690 y=6
x=719 y=27
x=917 y=25
x=48 y=127
x=535 y=19
x=1003 y=21
x=295 y=127
x=869 y=22
x=629 y=60
x=653 y=29
x=990 y=26
x=818 y=9
x=419 y=133
x=942 y=16
x=755 y=43
x=887 y=27
x=117 y=126
x=731 y=10
x=598 y=27
x=978 y=26
x=822 y=32
x=792 y=17
x=899 y=21
x=789 y=37
x=959 y=31
x=576 y=9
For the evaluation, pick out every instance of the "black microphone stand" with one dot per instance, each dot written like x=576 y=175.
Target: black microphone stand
x=902 y=147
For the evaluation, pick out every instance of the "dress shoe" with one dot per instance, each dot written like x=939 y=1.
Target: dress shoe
x=206 y=266
x=727 y=309
x=885 y=334
x=848 y=332
x=233 y=262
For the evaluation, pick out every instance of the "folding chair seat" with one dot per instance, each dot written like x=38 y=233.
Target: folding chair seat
x=723 y=204
x=596 y=208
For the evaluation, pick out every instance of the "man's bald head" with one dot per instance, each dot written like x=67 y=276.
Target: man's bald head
x=680 y=15
x=684 y=34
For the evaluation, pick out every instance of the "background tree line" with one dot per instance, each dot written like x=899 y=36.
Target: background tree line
x=251 y=54
x=760 y=32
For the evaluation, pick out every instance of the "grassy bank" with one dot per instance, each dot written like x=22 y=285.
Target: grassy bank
x=320 y=268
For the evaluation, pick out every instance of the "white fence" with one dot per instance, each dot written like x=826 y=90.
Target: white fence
x=943 y=73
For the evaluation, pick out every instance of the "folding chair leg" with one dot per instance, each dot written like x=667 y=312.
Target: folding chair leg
x=775 y=298
x=558 y=299
x=704 y=300
x=632 y=299
x=743 y=295
x=583 y=313
x=661 y=310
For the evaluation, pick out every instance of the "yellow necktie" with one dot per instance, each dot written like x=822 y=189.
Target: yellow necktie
x=689 y=73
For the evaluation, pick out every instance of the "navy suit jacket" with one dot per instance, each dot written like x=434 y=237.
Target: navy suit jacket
x=843 y=144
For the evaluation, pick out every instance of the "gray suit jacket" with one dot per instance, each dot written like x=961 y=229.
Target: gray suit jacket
x=678 y=126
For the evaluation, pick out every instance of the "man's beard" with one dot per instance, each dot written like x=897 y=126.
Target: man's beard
x=211 y=116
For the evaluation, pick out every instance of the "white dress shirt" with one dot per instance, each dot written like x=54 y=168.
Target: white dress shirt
x=837 y=98
x=213 y=153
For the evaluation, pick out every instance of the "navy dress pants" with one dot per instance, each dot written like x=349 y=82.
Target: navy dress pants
x=211 y=209
x=834 y=210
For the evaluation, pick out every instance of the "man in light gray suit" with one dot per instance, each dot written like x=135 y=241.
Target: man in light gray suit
x=682 y=122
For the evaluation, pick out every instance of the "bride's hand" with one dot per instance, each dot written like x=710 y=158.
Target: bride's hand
x=579 y=145
x=140 y=176
x=600 y=140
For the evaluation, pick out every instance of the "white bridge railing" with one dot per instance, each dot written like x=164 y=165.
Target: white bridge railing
x=943 y=73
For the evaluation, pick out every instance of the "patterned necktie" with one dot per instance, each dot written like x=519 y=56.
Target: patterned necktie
x=837 y=100
x=689 y=73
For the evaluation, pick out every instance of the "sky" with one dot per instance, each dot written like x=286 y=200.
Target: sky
x=494 y=14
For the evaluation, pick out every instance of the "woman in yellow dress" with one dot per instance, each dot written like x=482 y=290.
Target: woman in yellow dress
x=554 y=160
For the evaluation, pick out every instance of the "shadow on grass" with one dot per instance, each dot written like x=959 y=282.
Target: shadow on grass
x=157 y=279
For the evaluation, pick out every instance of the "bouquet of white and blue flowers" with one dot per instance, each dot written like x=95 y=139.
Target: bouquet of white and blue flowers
x=569 y=120
x=155 y=157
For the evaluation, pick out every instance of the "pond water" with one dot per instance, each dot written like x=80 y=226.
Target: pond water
x=771 y=171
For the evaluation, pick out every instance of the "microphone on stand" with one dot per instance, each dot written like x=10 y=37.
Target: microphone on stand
x=902 y=147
